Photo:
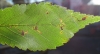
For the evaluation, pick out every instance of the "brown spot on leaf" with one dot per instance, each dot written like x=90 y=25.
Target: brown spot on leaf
x=23 y=33
x=47 y=12
x=35 y=28
x=84 y=18
x=61 y=28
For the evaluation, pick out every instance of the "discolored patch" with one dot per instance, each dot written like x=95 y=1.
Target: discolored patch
x=36 y=29
x=84 y=18
x=62 y=24
x=23 y=32
x=47 y=12
x=61 y=28
x=61 y=32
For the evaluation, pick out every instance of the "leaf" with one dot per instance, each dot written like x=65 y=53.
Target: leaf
x=40 y=26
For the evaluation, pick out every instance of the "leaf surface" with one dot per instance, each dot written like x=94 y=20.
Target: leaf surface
x=40 y=26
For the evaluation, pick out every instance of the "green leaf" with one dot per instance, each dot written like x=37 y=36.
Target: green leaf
x=40 y=26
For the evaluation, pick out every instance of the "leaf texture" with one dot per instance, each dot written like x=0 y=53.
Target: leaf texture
x=40 y=26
